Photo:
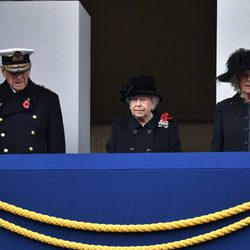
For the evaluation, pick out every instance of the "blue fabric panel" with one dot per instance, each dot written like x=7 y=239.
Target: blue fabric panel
x=125 y=189
x=126 y=161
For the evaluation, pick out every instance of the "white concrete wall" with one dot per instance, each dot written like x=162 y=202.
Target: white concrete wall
x=233 y=26
x=59 y=32
x=84 y=81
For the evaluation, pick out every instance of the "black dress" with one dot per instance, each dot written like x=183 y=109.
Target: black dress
x=231 y=125
x=128 y=135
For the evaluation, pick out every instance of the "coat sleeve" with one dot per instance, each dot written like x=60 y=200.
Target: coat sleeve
x=55 y=136
x=217 y=139
x=175 y=143
x=111 y=146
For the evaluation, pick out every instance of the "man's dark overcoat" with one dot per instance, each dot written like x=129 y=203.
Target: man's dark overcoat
x=30 y=120
x=231 y=126
x=128 y=135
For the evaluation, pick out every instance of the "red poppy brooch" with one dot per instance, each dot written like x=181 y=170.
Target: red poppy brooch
x=26 y=103
x=164 y=120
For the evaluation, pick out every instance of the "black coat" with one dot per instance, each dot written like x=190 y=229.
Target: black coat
x=36 y=128
x=127 y=135
x=231 y=125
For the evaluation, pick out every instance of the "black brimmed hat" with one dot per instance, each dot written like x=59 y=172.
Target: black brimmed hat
x=139 y=85
x=16 y=60
x=238 y=61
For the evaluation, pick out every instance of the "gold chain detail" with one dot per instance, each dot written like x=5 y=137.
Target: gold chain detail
x=117 y=228
x=126 y=228
x=171 y=245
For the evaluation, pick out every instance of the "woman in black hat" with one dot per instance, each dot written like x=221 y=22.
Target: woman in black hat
x=232 y=123
x=143 y=130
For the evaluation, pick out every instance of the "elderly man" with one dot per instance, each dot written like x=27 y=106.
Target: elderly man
x=30 y=115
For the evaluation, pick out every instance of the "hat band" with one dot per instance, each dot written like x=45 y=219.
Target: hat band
x=7 y=60
x=142 y=92
x=15 y=68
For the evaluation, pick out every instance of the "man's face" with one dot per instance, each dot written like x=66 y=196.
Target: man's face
x=17 y=81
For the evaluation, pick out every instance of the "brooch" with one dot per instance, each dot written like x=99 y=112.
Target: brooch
x=26 y=103
x=164 y=120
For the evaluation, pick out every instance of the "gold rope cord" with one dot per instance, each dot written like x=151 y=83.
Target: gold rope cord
x=117 y=228
x=167 y=246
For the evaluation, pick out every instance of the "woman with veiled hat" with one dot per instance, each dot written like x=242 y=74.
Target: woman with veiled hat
x=143 y=130
x=232 y=117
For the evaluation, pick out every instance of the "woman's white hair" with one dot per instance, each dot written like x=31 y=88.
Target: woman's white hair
x=234 y=81
x=155 y=100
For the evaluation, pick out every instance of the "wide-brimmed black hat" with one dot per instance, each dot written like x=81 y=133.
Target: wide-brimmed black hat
x=237 y=61
x=139 y=85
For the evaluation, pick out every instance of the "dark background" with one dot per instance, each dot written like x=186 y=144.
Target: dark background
x=173 y=40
